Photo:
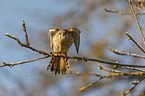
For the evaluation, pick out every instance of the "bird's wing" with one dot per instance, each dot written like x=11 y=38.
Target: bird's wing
x=76 y=37
x=52 y=32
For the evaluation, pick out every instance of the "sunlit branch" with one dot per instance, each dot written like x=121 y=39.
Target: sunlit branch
x=121 y=13
x=140 y=9
x=114 y=73
x=27 y=46
x=95 y=74
x=136 y=19
x=26 y=36
x=107 y=70
x=135 y=84
x=89 y=85
x=127 y=54
x=104 y=62
x=133 y=68
x=130 y=37
x=111 y=74
x=22 y=62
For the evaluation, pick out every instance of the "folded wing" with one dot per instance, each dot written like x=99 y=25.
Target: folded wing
x=76 y=37
x=52 y=32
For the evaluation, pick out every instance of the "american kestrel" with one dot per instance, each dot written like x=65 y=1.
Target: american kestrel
x=60 y=41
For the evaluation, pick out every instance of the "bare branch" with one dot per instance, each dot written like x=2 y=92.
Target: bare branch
x=130 y=37
x=133 y=68
x=89 y=85
x=26 y=36
x=103 y=61
x=121 y=13
x=127 y=54
x=136 y=83
x=22 y=62
x=27 y=46
x=140 y=9
x=95 y=74
x=114 y=73
x=136 y=19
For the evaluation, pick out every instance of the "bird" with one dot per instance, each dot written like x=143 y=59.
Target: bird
x=60 y=42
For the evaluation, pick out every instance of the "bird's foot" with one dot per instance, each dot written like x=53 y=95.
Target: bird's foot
x=64 y=55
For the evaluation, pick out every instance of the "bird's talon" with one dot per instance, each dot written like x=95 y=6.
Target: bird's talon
x=51 y=72
x=51 y=52
x=63 y=55
x=85 y=59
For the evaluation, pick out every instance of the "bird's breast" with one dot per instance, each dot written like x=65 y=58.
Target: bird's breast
x=62 y=44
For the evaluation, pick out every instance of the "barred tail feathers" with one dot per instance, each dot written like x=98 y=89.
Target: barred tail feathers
x=58 y=64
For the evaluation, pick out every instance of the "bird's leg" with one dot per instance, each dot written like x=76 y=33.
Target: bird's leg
x=55 y=53
x=50 y=62
x=51 y=53
x=64 y=54
x=66 y=60
x=68 y=66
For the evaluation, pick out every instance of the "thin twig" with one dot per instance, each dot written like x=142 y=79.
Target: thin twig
x=109 y=75
x=126 y=74
x=22 y=62
x=95 y=74
x=133 y=68
x=113 y=74
x=107 y=69
x=121 y=13
x=130 y=37
x=27 y=46
x=89 y=85
x=140 y=9
x=117 y=73
x=136 y=19
x=105 y=62
x=125 y=93
x=127 y=54
x=26 y=36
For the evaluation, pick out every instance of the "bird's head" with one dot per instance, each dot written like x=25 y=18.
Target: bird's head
x=62 y=34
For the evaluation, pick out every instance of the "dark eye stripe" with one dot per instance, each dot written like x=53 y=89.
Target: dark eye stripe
x=66 y=30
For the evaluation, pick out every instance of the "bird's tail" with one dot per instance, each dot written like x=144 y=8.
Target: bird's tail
x=58 y=64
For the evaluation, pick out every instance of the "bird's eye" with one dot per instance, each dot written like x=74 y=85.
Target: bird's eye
x=64 y=33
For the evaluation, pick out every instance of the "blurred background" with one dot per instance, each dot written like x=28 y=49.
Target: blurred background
x=99 y=31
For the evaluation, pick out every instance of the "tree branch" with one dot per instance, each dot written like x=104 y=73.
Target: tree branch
x=27 y=46
x=130 y=37
x=121 y=13
x=72 y=57
x=22 y=62
x=127 y=54
x=136 y=19
x=89 y=85
x=135 y=84
x=26 y=36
